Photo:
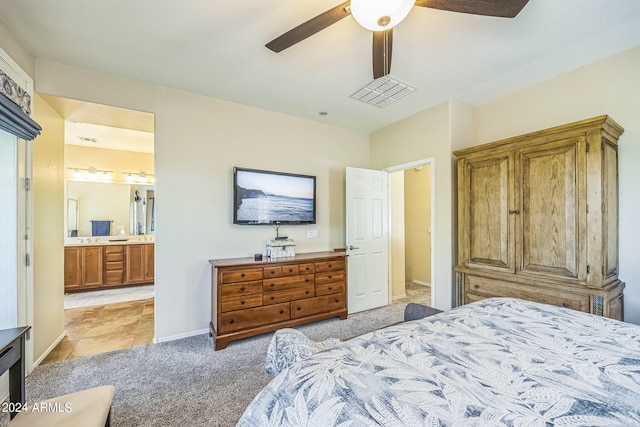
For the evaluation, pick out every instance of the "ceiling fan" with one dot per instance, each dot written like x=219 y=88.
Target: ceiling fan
x=380 y=16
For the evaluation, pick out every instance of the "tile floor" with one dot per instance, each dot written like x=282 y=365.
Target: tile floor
x=102 y=328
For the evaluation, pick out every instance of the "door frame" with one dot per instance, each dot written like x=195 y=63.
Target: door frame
x=431 y=161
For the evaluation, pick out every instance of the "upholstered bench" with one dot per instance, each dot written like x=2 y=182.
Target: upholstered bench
x=87 y=408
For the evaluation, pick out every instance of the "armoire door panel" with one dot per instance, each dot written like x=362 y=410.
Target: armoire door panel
x=550 y=199
x=610 y=207
x=487 y=210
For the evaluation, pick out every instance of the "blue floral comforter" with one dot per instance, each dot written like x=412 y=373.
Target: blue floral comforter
x=496 y=362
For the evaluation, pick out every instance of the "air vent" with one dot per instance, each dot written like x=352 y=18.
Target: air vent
x=85 y=139
x=383 y=91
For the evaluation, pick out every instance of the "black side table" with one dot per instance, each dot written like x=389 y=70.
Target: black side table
x=12 y=359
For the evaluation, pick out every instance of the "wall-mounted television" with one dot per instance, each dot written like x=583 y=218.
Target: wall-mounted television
x=273 y=198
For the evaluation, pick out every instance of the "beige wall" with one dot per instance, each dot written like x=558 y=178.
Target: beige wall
x=396 y=244
x=426 y=135
x=48 y=238
x=417 y=201
x=198 y=140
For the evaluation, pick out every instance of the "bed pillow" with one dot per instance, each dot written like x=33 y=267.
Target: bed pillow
x=289 y=346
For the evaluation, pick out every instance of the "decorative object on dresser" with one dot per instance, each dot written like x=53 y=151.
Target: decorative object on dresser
x=538 y=218
x=253 y=297
x=279 y=248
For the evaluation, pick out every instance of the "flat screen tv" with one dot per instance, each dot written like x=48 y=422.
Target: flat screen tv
x=273 y=198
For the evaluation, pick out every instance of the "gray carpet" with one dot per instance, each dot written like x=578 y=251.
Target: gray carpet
x=185 y=382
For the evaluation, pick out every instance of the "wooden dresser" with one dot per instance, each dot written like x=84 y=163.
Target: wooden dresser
x=253 y=297
x=538 y=218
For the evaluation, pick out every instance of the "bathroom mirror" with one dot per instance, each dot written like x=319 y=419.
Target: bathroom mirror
x=127 y=206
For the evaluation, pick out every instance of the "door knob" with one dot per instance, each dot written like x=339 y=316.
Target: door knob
x=351 y=247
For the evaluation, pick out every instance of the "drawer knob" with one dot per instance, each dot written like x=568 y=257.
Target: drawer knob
x=476 y=286
x=565 y=304
x=337 y=300
x=241 y=302
x=306 y=280
x=273 y=272
x=330 y=288
x=307 y=269
x=299 y=308
x=231 y=321
x=307 y=292
x=242 y=275
x=272 y=298
x=242 y=288
x=281 y=311
x=291 y=270
x=330 y=277
x=272 y=285
x=329 y=265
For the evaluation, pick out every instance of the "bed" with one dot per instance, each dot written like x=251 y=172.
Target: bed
x=495 y=362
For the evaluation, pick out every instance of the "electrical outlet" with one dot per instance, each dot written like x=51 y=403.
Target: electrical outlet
x=312 y=234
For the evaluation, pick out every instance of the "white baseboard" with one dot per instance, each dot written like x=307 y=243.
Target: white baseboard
x=49 y=350
x=399 y=297
x=421 y=283
x=179 y=336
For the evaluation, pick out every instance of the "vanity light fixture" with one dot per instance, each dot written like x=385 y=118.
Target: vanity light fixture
x=139 y=177
x=91 y=174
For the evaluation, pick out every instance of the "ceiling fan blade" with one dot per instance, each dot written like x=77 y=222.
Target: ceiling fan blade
x=309 y=28
x=499 y=8
x=382 y=44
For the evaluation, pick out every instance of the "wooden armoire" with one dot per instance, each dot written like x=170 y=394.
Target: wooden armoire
x=538 y=218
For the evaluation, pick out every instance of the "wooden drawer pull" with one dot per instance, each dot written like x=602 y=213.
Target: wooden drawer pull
x=307 y=292
x=476 y=286
x=242 y=288
x=330 y=288
x=337 y=300
x=298 y=308
x=241 y=302
x=242 y=275
x=272 y=298
x=281 y=311
x=272 y=285
x=565 y=304
x=330 y=277
x=306 y=280
x=291 y=270
x=230 y=321
x=329 y=265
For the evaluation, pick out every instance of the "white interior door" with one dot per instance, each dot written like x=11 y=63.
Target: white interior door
x=367 y=239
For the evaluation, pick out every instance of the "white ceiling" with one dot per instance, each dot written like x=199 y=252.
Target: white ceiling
x=217 y=48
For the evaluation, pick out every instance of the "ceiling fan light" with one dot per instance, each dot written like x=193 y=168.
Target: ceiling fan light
x=378 y=15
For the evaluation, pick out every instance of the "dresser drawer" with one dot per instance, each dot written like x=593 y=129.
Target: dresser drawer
x=232 y=276
x=288 y=295
x=329 y=288
x=242 y=288
x=483 y=287
x=333 y=265
x=272 y=272
x=290 y=269
x=240 y=302
x=253 y=317
x=330 y=276
x=285 y=283
x=321 y=304
x=307 y=268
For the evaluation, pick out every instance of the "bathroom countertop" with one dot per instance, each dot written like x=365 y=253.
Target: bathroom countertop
x=104 y=241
